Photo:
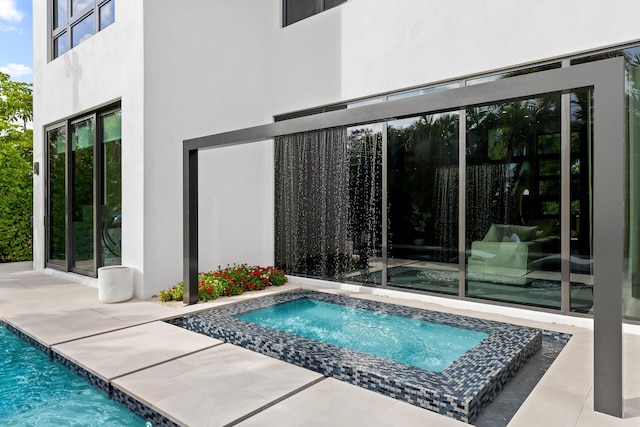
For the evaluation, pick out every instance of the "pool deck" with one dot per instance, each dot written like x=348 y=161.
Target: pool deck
x=195 y=380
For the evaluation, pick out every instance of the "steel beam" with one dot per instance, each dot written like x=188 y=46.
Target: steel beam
x=605 y=78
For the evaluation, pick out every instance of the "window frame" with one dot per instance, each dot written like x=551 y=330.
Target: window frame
x=65 y=29
x=66 y=265
x=319 y=7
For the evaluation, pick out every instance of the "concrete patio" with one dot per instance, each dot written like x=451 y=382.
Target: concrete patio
x=195 y=380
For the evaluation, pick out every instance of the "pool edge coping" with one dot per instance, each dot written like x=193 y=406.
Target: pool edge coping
x=275 y=348
x=143 y=410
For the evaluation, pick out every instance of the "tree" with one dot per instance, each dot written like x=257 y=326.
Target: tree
x=16 y=152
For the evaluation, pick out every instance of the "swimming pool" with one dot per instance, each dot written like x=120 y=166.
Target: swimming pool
x=461 y=390
x=37 y=391
x=426 y=345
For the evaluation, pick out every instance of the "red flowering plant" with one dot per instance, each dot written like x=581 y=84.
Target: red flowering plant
x=241 y=278
x=232 y=280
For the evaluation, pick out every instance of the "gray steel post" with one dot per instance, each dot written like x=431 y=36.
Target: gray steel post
x=608 y=235
x=190 y=225
x=606 y=77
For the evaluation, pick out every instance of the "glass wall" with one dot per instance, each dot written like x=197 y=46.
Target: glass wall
x=631 y=286
x=296 y=10
x=328 y=208
x=84 y=193
x=513 y=202
x=82 y=161
x=111 y=241
x=422 y=191
x=74 y=21
x=330 y=192
x=581 y=202
x=631 y=291
x=528 y=200
x=56 y=206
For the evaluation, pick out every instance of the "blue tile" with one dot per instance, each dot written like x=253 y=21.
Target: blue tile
x=460 y=391
x=158 y=420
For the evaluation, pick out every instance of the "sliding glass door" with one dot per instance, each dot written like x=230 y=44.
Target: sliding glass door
x=82 y=196
x=492 y=200
x=526 y=216
x=580 y=209
x=328 y=203
x=422 y=192
x=83 y=181
x=56 y=200
x=513 y=203
x=111 y=229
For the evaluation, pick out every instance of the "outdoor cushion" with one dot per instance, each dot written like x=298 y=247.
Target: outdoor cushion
x=497 y=232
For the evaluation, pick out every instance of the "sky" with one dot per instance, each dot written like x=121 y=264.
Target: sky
x=16 y=58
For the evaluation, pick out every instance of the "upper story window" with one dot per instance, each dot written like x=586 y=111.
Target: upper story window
x=296 y=10
x=74 y=21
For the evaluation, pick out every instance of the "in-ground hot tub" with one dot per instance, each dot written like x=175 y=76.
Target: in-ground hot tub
x=461 y=390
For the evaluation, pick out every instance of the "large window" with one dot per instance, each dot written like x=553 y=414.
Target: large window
x=297 y=10
x=491 y=202
x=84 y=188
x=514 y=205
x=74 y=21
x=328 y=214
x=82 y=208
x=422 y=202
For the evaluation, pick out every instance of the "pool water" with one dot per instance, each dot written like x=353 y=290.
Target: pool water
x=35 y=391
x=426 y=345
x=460 y=391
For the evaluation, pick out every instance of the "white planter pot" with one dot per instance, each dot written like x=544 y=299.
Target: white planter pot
x=115 y=283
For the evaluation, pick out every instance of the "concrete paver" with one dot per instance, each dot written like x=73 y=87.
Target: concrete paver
x=333 y=402
x=200 y=381
x=114 y=354
x=217 y=386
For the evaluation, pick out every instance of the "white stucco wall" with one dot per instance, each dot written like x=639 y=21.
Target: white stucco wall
x=380 y=46
x=257 y=69
x=209 y=67
x=205 y=75
x=105 y=68
x=389 y=45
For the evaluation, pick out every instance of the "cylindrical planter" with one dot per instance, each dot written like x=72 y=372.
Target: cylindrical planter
x=115 y=283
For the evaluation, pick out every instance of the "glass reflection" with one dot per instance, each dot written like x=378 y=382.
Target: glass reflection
x=513 y=228
x=111 y=241
x=59 y=13
x=422 y=91
x=423 y=203
x=500 y=76
x=82 y=214
x=107 y=14
x=631 y=286
x=332 y=3
x=328 y=203
x=78 y=6
x=631 y=291
x=299 y=9
x=56 y=247
x=60 y=44
x=82 y=30
x=580 y=208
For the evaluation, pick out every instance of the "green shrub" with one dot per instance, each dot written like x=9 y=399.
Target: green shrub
x=15 y=196
x=16 y=180
x=174 y=294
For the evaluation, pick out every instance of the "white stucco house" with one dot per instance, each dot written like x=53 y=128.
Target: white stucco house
x=118 y=88
x=447 y=148
x=161 y=76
